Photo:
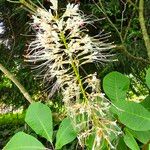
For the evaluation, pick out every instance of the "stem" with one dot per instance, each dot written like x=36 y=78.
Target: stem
x=29 y=5
x=143 y=27
x=111 y=23
x=16 y=2
x=123 y=49
x=16 y=82
x=13 y=37
x=78 y=79
x=74 y=68
x=130 y=21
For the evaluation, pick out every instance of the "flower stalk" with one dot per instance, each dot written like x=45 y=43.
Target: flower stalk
x=75 y=69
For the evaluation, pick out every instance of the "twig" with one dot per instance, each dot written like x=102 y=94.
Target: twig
x=111 y=23
x=16 y=82
x=143 y=27
x=122 y=16
x=123 y=49
x=29 y=5
x=129 y=23
x=16 y=2
x=13 y=37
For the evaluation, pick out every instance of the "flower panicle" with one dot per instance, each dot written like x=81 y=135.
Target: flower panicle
x=61 y=46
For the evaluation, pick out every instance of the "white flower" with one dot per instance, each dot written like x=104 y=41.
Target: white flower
x=54 y=4
x=71 y=10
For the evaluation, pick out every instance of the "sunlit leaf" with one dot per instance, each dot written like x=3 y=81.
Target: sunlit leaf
x=142 y=136
x=133 y=115
x=116 y=86
x=39 y=118
x=65 y=134
x=130 y=141
x=23 y=141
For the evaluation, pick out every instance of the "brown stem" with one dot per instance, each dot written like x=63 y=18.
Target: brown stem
x=145 y=146
x=16 y=82
x=143 y=27
x=123 y=49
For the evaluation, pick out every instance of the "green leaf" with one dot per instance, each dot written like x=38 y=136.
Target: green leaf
x=133 y=115
x=148 y=77
x=130 y=141
x=146 y=103
x=116 y=86
x=39 y=118
x=121 y=145
x=65 y=134
x=90 y=141
x=23 y=141
x=142 y=136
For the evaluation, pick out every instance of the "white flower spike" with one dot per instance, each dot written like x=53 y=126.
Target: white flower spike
x=61 y=47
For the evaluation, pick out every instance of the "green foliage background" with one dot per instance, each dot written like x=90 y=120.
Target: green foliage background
x=130 y=51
